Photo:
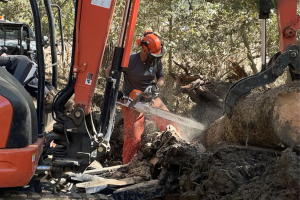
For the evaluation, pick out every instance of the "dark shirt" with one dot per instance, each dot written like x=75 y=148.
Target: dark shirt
x=139 y=76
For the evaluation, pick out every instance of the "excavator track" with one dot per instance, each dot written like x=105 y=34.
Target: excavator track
x=94 y=183
x=21 y=195
x=45 y=191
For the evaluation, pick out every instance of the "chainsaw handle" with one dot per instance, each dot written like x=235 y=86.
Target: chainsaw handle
x=137 y=99
x=154 y=89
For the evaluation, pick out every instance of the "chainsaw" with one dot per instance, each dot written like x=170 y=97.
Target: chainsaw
x=143 y=102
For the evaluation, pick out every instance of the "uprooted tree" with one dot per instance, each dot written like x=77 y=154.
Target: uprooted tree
x=266 y=119
x=207 y=93
x=234 y=158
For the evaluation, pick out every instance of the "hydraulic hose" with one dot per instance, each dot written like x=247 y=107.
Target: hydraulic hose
x=40 y=62
x=52 y=42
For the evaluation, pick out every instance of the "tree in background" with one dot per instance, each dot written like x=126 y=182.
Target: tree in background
x=202 y=35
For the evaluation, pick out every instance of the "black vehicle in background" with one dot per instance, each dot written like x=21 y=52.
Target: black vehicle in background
x=18 y=39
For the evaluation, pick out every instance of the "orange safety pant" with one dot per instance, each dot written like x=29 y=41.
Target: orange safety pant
x=134 y=127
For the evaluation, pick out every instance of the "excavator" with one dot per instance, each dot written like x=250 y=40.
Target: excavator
x=26 y=150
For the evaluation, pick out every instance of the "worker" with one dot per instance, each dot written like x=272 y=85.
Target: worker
x=142 y=69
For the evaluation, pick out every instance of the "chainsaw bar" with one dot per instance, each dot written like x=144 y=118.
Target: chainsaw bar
x=147 y=109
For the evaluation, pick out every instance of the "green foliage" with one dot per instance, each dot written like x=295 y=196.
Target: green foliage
x=17 y=10
x=198 y=33
x=205 y=33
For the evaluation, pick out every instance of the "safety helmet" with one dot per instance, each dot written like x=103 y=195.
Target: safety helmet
x=151 y=43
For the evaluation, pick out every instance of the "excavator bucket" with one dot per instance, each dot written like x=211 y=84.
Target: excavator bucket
x=289 y=58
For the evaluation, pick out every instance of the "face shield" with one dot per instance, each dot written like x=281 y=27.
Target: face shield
x=151 y=57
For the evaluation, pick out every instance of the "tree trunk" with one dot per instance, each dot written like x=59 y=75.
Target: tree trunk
x=268 y=119
x=247 y=45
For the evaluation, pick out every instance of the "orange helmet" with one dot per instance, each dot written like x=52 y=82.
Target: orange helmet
x=151 y=42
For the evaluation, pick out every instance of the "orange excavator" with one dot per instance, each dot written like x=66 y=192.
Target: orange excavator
x=25 y=149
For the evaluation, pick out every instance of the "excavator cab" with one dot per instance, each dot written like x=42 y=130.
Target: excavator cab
x=20 y=147
x=17 y=38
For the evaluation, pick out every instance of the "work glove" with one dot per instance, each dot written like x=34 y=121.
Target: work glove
x=120 y=96
x=154 y=90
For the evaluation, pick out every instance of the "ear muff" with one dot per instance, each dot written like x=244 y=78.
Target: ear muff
x=138 y=42
x=141 y=42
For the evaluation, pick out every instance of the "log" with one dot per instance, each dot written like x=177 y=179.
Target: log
x=104 y=170
x=141 y=191
x=98 y=185
x=267 y=119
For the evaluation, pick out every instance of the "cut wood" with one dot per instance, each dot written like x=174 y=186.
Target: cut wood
x=141 y=191
x=268 y=119
x=286 y=118
x=104 y=170
x=84 y=177
x=95 y=165
x=96 y=186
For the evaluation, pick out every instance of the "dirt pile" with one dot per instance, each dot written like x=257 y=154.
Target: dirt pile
x=234 y=172
x=189 y=171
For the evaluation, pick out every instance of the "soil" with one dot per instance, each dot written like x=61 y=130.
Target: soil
x=188 y=171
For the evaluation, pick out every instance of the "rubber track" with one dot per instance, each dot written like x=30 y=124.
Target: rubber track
x=18 y=195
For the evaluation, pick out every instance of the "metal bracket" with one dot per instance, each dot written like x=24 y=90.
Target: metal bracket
x=292 y=30
x=81 y=68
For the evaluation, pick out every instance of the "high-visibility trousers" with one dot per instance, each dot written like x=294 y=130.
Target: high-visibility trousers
x=134 y=127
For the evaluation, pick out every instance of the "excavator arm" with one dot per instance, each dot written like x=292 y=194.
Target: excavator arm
x=93 y=22
x=288 y=24
x=74 y=142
